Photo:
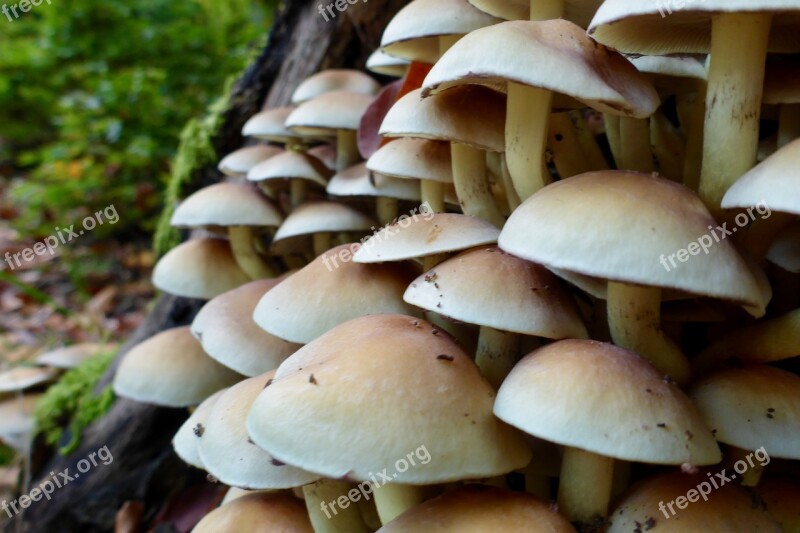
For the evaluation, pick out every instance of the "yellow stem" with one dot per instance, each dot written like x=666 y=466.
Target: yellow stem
x=433 y=195
x=242 y=240
x=393 y=499
x=472 y=184
x=330 y=509
x=347 y=153
x=584 y=489
x=527 y=118
x=496 y=354
x=546 y=9
x=636 y=152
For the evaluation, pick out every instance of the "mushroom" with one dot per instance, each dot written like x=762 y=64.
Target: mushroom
x=199 y=268
x=238 y=163
x=257 y=513
x=186 y=440
x=25 y=377
x=241 y=209
x=396 y=373
x=17 y=420
x=332 y=80
x=578 y=11
x=300 y=170
x=318 y=220
x=331 y=290
x=325 y=153
x=626 y=227
x=171 y=369
x=602 y=403
x=270 y=125
x=227 y=332
x=549 y=64
x=380 y=62
x=71 y=356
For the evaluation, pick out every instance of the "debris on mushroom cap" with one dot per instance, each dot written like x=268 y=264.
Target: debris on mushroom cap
x=188 y=436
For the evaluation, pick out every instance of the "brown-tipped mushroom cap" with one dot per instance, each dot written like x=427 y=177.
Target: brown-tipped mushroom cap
x=414 y=159
x=16 y=414
x=555 y=55
x=382 y=63
x=728 y=509
x=259 y=512
x=358 y=181
x=171 y=369
x=186 y=440
x=199 y=268
x=773 y=185
x=623 y=226
x=239 y=162
x=607 y=400
x=753 y=407
x=393 y=372
x=230 y=456
x=478 y=509
x=319 y=217
x=782 y=499
x=329 y=291
x=270 y=125
x=333 y=80
x=227 y=332
x=578 y=11
x=291 y=165
x=426 y=234
x=489 y=287
x=72 y=356
x=325 y=153
x=450 y=116
x=226 y=204
x=329 y=113
x=25 y=377
x=413 y=33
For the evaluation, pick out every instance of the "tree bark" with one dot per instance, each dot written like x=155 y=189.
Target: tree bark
x=145 y=468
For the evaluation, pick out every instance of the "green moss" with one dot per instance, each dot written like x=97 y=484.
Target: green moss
x=72 y=401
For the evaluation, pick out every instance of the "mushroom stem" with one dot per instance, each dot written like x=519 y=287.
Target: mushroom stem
x=668 y=147
x=546 y=9
x=595 y=159
x=430 y=261
x=508 y=185
x=496 y=354
x=297 y=191
x=584 y=489
x=472 y=184
x=322 y=243
x=242 y=240
x=733 y=102
x=634 y=318
x=613 y=136
x=320 y=496
x=347 y=153
x=433 y=195
x=527 y=119
x=752 y=474
x=788 y=124
x=694 y=138
x=386 y=209
x=636 y=153
x=393 y=499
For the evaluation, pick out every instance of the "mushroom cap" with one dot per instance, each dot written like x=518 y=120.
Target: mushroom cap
x=71 y=356
x=651 y=27
x=607 y=400
x=326 y=293
x=392 y=372
x=325 y=153
x=171 y=369
x=622 y=226
x=380 y=62
x=772 y=185
x=450 y=116
x=227 y=332
x=782 y=498
x=414 y=159
x=319 y=217
x=753 y=407
x=489 y=287
x=728 y=510
x=359 y=181
x=186 y=440
x=426 y=234
x=239 y=162
x=556 y=55
x=226 y=204
x=672 y=74
x=413 y=33
x=16 y=414
x=334 y=80
x=226 y=449
x=25 y=377
x=259 y=512
x=785 y=249
x=578 y=11
x=328 y=113
x=199 y=268
x=480 y=508
x=270 y=125
x=291 y=165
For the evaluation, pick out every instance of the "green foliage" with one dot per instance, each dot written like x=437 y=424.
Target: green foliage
x=73 y=399
x=94 y=95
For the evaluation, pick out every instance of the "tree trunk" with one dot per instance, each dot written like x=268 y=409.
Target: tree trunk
x=145 y=468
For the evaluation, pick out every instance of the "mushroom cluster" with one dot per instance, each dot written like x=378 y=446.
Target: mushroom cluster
x=545 y=257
